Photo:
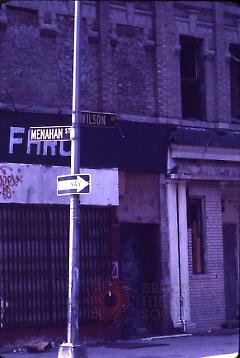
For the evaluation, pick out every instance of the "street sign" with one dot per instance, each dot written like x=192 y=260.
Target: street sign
x=63 y=133
x=50 y=133
x=73 y=184
x=97 y=119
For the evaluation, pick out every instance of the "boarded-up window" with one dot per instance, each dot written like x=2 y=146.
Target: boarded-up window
x=195 y=223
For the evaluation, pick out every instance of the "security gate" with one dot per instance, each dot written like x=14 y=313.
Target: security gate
x=34 y=262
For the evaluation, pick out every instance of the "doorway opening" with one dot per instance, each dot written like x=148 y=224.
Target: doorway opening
x=139 y=269
x=230 y=271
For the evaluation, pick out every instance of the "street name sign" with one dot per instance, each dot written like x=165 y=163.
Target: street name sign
x=73 y=184
x=97 y=119
x=50 y=133
x=63 y=133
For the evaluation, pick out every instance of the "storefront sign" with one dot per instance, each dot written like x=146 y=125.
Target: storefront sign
x=101 y=147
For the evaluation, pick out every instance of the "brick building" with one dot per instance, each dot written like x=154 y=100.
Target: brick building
x=165 y=236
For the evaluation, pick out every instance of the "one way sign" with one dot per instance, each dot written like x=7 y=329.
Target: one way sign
x=73 y=184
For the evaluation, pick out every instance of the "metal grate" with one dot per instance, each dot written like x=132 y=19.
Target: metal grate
x=34 y=262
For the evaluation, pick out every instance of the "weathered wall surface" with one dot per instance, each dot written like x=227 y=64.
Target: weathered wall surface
x=37 y=184
x=139 y=198
x=130 y=56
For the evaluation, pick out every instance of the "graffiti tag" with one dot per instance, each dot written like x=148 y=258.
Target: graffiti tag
x=8 y=180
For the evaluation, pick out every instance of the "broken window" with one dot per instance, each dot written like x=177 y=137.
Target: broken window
x=191 y=77
x=195 y=223
x=235 y=80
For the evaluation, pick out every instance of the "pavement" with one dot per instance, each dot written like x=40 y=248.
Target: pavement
x=192 y=346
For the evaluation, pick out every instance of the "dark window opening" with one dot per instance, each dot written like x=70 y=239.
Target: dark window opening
x=191 y=77
x=195 y=223
x=235 y=80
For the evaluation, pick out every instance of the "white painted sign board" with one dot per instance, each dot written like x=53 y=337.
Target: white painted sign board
x=36 y=184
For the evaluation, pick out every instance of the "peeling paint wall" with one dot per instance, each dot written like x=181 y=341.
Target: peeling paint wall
x=37 y=184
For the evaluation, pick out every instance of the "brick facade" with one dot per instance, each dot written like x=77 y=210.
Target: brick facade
x=207 y=290
x=129 y=50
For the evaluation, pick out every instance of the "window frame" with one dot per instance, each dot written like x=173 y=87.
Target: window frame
x=196 y=83
x=197 y=233
x=234 y=58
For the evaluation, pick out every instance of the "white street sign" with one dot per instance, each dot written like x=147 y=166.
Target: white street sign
x=62 y=133
x=73 y=184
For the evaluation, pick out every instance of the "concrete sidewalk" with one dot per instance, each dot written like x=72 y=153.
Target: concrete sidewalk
x=217 y=346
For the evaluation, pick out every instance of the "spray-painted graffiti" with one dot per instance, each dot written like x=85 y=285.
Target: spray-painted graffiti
x=3 y=306
x=8 y=181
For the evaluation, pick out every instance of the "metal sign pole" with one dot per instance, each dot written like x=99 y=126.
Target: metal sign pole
x=73 y=285
x=72 y=349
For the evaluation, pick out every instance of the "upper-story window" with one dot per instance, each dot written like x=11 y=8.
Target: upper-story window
x=191 y=77
x=235 y=80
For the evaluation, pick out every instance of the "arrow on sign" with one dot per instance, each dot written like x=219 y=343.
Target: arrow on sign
x=78 y=184
x=73 y=184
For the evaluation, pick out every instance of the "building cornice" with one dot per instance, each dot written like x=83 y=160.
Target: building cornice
x=204 y=153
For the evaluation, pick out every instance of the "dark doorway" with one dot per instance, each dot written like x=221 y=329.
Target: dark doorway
x=139 y=269
x=230 y=270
